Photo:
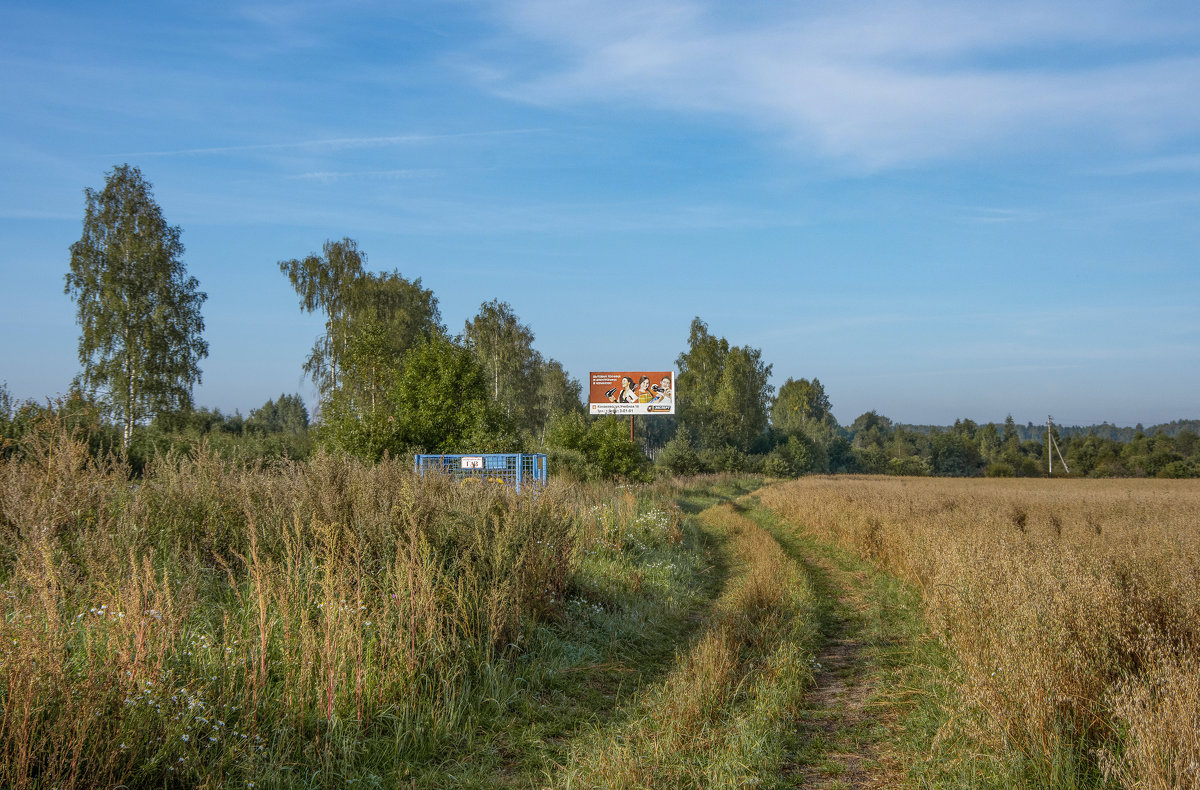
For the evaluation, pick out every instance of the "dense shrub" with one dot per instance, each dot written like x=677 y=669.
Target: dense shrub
x=678 y=456
x=595 y=448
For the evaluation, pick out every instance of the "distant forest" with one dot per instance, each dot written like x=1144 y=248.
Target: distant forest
x=1104 y=430
x=392 y=380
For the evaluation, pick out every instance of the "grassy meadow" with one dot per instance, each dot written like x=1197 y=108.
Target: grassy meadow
x=1071 y=609
x=210 y=622
x=332 y=623
x=339 y=624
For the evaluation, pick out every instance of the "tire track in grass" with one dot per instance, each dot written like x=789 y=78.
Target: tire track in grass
x=624 y=623
x=720 y=718
x=845 y=733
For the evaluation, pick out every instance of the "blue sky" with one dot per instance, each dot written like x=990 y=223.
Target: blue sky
x=939 y=209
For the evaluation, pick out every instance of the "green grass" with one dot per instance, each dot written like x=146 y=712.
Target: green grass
x=718 y=718
x=601 y=687
x=631 y=604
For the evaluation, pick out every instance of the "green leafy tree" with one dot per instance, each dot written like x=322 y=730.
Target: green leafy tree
x=989 y=442
x=871 y=436
x=142 y=332
x=515 y=372
x=389 y=315
x=1009 y=437
x=442 y=401
x=723 y=391
x=372 y=320
x=678 y=456
x=793 y=457
x=799 y=404
x=802 y=410
x=436 y=400
x=558 y=393
x=700 y=371
x=286 y=415
x=870 y=429
x=955 y=454
x=1187 y=442
x=324 y=283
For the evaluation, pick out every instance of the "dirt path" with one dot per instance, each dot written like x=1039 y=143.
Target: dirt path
x=841 y=732
x=842 y=748
x=731 y=702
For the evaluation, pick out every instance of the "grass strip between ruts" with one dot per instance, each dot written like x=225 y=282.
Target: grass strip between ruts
x=721 y=715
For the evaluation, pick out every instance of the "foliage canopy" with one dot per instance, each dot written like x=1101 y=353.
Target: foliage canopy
x=138 y=310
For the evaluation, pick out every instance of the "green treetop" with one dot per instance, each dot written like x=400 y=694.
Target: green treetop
x=139 y=312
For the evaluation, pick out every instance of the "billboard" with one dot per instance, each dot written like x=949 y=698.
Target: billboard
x=632 y=392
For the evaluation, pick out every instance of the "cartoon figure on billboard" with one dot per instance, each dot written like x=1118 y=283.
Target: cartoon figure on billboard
x=662 y=391
x=623 y=394
x=644 y=393
x=627 y=392
x=616 y=392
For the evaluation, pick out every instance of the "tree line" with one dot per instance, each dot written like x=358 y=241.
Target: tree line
x=392 y=379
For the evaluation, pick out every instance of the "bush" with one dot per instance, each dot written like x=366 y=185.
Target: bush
x=909 y=465
x=598 y=448
x=571 y=465
x=777 y=465
x=1180 y=469
x=679 y=457
x=1000 y=469
x=726 y=459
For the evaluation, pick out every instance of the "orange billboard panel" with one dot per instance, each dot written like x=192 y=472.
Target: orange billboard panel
x=632 y=392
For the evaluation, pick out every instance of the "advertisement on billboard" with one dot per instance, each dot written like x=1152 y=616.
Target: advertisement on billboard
x=636 y=392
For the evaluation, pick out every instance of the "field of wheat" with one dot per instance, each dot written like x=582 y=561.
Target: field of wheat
x=1071 y=607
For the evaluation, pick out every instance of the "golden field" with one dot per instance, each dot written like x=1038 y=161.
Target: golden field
x=1072 y=609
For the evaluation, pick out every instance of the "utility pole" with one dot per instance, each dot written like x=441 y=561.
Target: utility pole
x=1052 y=447
x=1049 y=451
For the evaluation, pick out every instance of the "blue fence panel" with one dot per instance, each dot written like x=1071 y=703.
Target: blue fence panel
x=511 y=469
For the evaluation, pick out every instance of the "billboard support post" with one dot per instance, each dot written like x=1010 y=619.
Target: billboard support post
x=631 y=427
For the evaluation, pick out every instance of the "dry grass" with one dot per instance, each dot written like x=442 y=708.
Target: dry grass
x=1072 y=607
x=211 y=623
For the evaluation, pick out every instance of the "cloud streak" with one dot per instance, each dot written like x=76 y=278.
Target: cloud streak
x=876 y=85
x=328 y=176
x=338 y=143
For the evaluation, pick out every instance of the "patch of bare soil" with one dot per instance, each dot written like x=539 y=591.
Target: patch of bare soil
x=838 y=732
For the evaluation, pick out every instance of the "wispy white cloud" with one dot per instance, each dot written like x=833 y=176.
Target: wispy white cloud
x=327 y=176
x=1002 y=215
x=1188 y=163
x=282 y=26
x=399 y=211
x=875 y=84
x=337 y=143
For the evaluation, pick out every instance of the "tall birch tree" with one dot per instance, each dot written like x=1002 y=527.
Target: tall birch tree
x=141 y=338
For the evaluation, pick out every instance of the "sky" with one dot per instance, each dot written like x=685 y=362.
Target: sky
x=939 y=209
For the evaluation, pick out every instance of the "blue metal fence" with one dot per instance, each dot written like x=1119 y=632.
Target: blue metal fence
x=512 y=469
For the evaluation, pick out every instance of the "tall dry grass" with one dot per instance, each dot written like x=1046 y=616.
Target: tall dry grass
x=1072 y=606
x=210 y=623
